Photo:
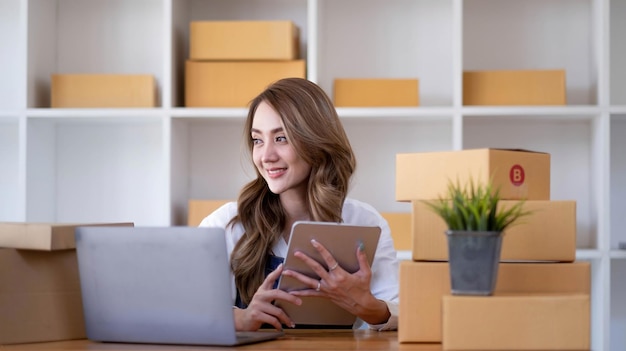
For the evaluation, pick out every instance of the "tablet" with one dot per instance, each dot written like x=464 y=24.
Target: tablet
x=342 y=241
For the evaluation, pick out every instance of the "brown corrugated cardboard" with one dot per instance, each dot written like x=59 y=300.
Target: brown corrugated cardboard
x=516 y=322
x=400 y=225
x=521 y=87
x=42 y=236
x=376 y=92
x=234 y=84
x=519 y=174
x=103 y=90
x=198 y=209
x=40 y=297
x=422 y=285
x=547 y=234
x=243 y=40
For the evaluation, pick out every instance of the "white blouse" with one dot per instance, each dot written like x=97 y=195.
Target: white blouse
x=384 y=283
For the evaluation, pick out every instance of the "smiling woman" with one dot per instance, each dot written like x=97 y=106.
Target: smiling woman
x=304 y=163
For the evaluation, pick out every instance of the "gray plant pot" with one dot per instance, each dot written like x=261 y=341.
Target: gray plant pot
x=474 y=259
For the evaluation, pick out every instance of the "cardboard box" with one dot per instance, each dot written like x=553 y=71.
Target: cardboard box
x=400 y=225
x=244 y=40
x=199 y=209
x=423 y=284
x=519 y=174
x=526 y=87
x=376 y=92
x=40 y=298
x=547 y=234
x=103 y=90
x=522 y=87
x=516 y=322
x=234 y=84
x=42 y=236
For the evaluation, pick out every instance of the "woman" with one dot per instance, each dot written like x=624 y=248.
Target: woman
x=304 y=163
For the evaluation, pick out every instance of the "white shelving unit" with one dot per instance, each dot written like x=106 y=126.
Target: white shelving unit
x=143 y=165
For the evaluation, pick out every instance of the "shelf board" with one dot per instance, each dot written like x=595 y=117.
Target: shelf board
x=383 y=113
x=534 y=112
x=397 y=113
x=95 y=113
x=618 y=110
x=618 y=254
x=210 y=112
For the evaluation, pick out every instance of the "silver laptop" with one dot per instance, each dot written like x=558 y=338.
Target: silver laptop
x=165 y=285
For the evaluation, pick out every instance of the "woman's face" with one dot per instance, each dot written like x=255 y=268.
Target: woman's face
x=274 y=156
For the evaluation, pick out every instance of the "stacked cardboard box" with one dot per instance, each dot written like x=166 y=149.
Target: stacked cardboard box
x=230 y=62
x=541 y=299
x=40 y=298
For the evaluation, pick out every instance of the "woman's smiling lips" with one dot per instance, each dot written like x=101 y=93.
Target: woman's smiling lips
x=275 y=172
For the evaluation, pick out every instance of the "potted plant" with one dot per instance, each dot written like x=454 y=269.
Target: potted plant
x=476 y=224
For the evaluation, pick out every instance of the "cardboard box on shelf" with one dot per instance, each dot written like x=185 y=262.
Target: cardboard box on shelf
x=519 y=174
x=244 y=40
x=234 y=84
x=423 y=284
x=198 y=209
x=376 y=92
x=548 y=233
x=103 y=90
x=400 y=225
x=514 y=87
x=42 y=236
x=516 y=322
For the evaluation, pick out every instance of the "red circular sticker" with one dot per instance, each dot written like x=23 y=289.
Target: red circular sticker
x=517 y=175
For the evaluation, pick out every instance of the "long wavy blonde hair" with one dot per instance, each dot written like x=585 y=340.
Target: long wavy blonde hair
x=317 y=135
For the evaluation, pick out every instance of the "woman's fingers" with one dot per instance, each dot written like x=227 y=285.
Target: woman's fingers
x=270 y=314
x=271 y=278
x=361 y=256
x=259 y=317
x=331 y=262
x=262 y=309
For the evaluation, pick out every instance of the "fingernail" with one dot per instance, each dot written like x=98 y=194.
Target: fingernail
x=293 y=325
x=361 y=246
x=314 y=242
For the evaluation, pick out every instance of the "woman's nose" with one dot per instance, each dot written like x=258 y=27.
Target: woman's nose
x=269 y=153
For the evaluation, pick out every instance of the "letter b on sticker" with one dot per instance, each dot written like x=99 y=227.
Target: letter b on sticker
x=517 y=175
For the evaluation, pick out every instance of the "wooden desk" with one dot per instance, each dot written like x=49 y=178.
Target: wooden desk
x=292 y=340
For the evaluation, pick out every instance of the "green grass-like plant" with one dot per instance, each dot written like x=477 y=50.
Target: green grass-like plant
x=474 y=207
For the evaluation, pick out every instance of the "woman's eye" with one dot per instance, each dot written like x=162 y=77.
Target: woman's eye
x=281 y=139
x=256 y=141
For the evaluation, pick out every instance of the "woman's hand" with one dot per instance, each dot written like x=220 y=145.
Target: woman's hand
x=349 y=291
x=261 y=309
